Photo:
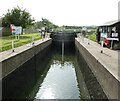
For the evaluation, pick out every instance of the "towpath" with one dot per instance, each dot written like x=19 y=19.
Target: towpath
x=7 y=54
x=110 y=58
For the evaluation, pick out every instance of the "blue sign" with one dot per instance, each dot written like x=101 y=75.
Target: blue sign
x=103 y=35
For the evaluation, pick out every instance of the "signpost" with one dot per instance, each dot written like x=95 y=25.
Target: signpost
x=18 y=31
x=15 y=30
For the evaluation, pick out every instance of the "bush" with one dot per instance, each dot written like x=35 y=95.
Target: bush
x=6 y=31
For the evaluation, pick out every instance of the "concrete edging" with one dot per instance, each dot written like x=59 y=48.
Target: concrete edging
x=108 y=82
x=12 y=63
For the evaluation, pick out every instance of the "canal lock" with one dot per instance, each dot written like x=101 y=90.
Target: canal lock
x=63 y=69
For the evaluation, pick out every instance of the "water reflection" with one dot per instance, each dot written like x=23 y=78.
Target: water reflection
x=60 y=82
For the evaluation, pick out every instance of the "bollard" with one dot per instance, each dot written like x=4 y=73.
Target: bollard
x=62 y=52
x=88 y=41
x=18 y=36
x=12 y=45
x=101 y=46
x=111 y=44
x=33 y=40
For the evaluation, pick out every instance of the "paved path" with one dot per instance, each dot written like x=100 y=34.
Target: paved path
x=7 y=54
x=110 y=58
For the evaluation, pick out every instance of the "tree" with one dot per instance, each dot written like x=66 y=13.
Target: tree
x=45 y=23
x=18 y=17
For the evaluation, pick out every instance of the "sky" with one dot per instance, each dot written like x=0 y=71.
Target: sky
x=67 y=12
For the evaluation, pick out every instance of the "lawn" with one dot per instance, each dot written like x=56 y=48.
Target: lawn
x=92 y=37
x=6 y=41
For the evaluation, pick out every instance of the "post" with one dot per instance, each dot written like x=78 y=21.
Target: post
x=62 y=48
x=33 y=40
x=111 y=44
x=101 y=46
x=42 y=35
x=18 y=36
x=15 y=36
x=62 y=52
x=88 y=41
x=12 y=45
x=80 y=36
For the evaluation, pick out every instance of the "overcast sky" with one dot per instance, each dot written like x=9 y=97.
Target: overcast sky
x=67 y=12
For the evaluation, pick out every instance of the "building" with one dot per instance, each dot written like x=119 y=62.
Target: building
x=109 y=33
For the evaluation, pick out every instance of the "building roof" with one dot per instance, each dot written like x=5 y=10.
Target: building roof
x=110 y=23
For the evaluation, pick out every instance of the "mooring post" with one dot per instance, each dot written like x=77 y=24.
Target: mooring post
x=33 y=40
x=101 y=46
x=62 y=51
x=88 y=41
x=111 y=44
x=12 y=45
x=62 y=47
x=18 y=36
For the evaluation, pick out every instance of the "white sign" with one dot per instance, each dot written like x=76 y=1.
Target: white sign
x=113 y=39
x=18 y=29
x=103 y=35
x=114 y=34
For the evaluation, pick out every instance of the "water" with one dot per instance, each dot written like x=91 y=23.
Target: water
x=59 y=81
x=53 y=75
x=67 y=76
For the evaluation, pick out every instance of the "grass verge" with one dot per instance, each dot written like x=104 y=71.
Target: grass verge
x=6 y=41
x=92 y=37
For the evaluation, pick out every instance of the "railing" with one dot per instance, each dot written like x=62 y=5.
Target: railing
x=6 y=42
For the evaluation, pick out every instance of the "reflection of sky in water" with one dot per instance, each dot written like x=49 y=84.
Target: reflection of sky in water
x=59 y=83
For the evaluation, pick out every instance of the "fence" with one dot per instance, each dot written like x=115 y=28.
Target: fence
x=6 y=42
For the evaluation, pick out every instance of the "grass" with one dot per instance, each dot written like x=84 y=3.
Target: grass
x=6 y=41
x=92 y=37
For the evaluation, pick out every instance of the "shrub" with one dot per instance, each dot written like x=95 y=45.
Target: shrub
x=6 y=31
